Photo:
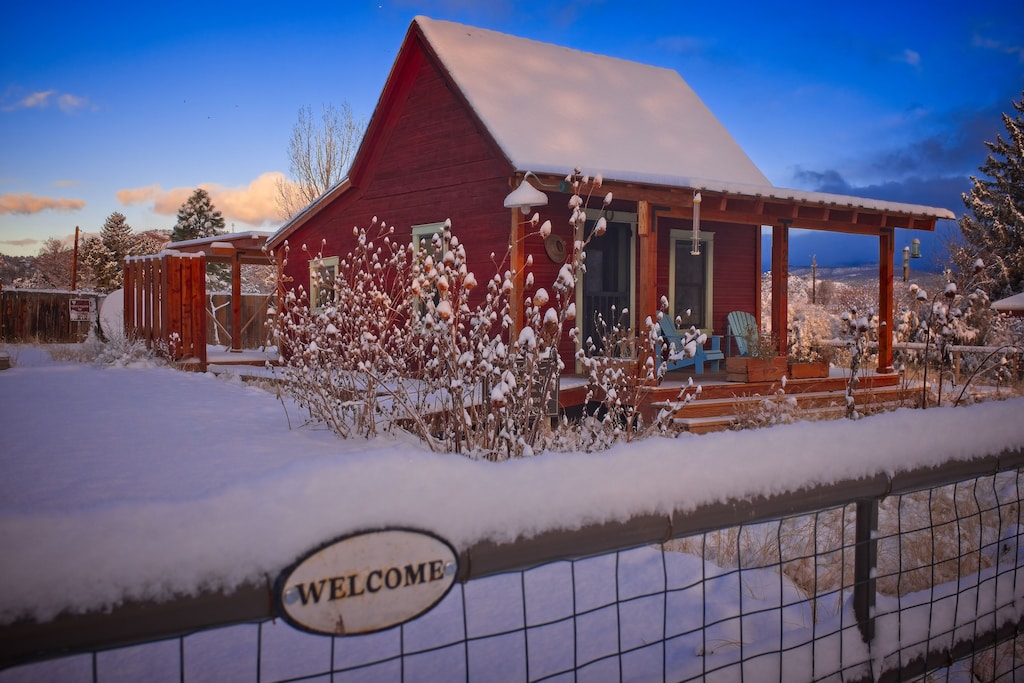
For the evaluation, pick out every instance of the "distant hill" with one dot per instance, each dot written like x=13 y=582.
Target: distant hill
x=836 y=250
x=14 y=268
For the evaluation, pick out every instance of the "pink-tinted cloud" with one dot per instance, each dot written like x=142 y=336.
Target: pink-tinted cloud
x=25 y=203
x=254 y=204
x=27 y=242
x=43 y=99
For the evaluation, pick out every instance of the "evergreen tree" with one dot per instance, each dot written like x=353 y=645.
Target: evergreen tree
x=104 y=255
x=197 y=218
x=993 y=228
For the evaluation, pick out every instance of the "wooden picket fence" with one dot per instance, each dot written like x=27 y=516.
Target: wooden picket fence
x=165 y=304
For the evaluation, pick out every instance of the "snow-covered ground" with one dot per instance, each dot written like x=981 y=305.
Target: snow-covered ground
x=152 y=482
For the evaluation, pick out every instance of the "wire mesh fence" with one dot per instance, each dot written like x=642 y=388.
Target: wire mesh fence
x=894 y=587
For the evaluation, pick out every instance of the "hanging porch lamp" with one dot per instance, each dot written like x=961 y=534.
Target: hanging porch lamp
x=695 y=247
x=526 y=196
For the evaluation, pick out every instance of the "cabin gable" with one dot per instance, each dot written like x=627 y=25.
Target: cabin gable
x=432 y=162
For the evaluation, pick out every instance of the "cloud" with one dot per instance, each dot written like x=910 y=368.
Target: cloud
x=44 y=99
x=254 y=204
x=939 y=191
x=999 y=46
x=27 y=242
x=957 y=145
x=911 y=57
x=29 y=203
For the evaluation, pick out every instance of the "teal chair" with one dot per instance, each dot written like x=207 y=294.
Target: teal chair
x=679 y=355
x=742 y=328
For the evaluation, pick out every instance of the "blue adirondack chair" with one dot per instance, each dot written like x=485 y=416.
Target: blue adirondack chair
x=742 y=328
x=686 y=348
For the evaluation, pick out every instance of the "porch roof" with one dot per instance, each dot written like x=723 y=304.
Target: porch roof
x=222 y=248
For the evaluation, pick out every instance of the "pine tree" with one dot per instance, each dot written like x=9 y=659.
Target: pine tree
x=104 y=255
x=993 y=228
x=197 y=218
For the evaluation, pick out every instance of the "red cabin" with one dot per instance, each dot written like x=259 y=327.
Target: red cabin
x=468 y=114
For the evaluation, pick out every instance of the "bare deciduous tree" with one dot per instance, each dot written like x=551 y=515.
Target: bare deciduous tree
x=320 y=153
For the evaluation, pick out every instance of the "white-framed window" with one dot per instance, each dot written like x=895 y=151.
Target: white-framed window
x=322 y=272
x=422 y=238
x=422 y=235
x=690 y=280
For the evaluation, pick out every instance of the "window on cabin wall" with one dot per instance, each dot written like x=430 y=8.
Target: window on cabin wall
x=322 y=272
x=690 y=280
x=423 y=238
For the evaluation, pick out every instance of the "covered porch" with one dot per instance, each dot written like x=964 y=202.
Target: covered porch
x=724 y=222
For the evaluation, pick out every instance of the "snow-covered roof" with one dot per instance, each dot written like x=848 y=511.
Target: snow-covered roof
x=550 y=107
x=233 y=237
x=1010 y=303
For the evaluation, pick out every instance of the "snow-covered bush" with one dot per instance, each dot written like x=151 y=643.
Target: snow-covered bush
x=959 y=314
x=401 y=340
x=766 y=411
x=117 y=350
x=862 y=332
x=809 y=326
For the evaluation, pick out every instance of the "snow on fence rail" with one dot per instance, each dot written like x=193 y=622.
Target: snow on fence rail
x=881 y=578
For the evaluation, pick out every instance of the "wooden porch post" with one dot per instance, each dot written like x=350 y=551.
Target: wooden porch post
x=886 y=254
x=780 y=284
x=236 y=301
x=517 y=264
x=647 y=274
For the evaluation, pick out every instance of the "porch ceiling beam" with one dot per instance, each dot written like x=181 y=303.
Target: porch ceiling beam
x=769 y=210
x=752 y=218
x=760 y=210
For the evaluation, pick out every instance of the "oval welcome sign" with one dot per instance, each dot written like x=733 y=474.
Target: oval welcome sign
x=366 y=582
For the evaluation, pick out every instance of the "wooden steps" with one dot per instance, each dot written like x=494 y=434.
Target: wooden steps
x=703 y=415
x=720 y=404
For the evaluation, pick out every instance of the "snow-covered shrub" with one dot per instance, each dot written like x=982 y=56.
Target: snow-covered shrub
x=117 y=350
x=959 y=314
x=402 y=340
x=809 y=325
x=862 y=332
x=766 y=411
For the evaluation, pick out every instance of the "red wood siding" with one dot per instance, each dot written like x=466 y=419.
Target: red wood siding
x=736 y=272
x=434 y=164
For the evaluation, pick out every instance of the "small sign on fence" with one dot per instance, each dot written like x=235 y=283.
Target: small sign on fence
x=366 y=582
x=82 y=310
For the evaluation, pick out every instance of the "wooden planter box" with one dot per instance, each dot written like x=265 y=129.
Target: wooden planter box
x=745 y=369
x=813 y=370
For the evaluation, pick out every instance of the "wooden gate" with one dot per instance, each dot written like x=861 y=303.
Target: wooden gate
x=165 y=304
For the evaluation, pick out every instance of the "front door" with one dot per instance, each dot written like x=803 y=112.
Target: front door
x=607 y=285
x=690 y=278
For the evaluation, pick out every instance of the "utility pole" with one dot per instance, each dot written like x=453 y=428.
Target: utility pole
x=74 y=264
x=814 y=278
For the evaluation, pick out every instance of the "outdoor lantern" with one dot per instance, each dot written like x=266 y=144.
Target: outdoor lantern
x=695 y=247
x=915 y=248
x=525 y=196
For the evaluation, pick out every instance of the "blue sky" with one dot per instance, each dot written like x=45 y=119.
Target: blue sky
x=130 y=106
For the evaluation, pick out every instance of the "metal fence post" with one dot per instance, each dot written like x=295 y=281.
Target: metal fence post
x=864 y=562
